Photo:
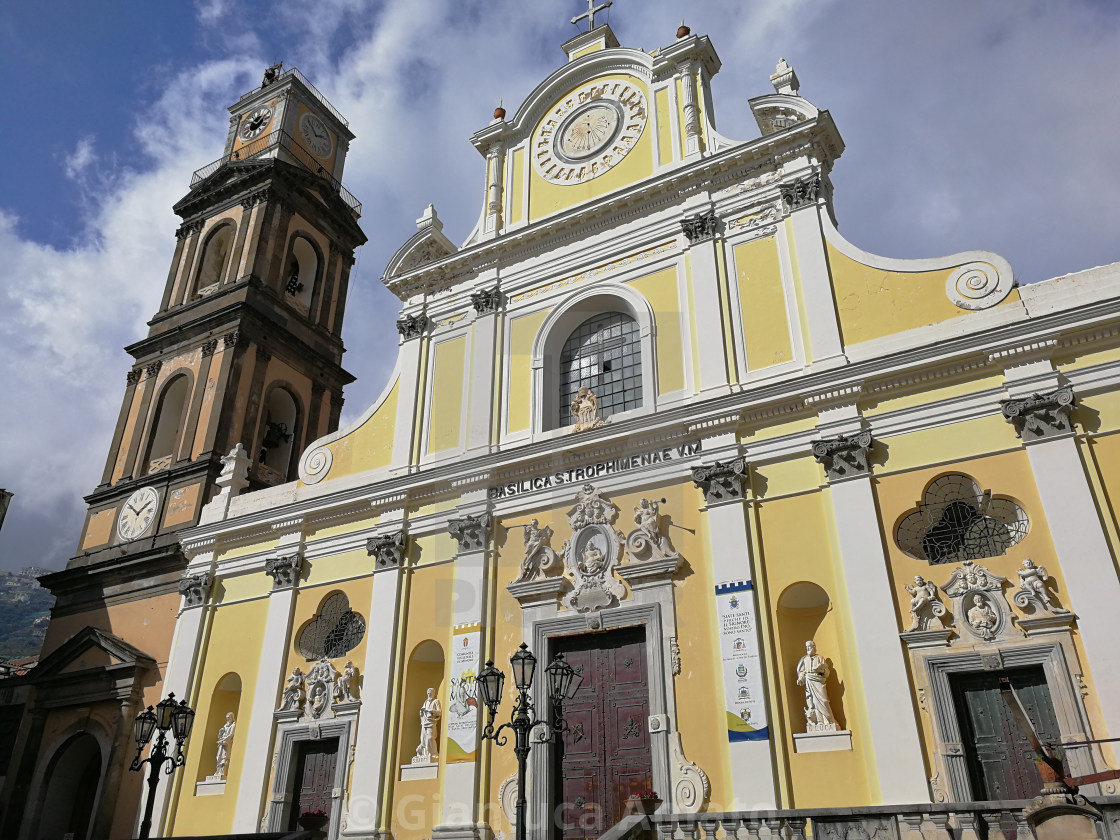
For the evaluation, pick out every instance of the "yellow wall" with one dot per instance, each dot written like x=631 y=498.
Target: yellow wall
x=662 y=291
x=370 y=446
x=522 y=333
x=447 y=394
x=664 y=126
x=517 y=188
x=762 y=302
x=546 y=198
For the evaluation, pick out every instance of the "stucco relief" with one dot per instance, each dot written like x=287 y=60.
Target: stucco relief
x=1032 y=589
x=539 y=557
x=592 y=553
x=978 y=604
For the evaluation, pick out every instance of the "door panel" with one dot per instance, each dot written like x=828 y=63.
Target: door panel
x=999 y=755
x=314 y=778
x=605 y=757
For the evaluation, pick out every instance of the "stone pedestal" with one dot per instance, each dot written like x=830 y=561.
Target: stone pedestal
x=412 y=772
x=807 y=742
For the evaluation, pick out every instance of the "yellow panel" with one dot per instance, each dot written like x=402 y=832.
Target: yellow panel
x=236 y=638
x=517 y=188
x=99 y=529
x=949 y=442
x=546 y=198
x=522 y=333
x=664 y=126
x=242 y=587
x=780 y=478
x=661 y=290
x=874 y=302
x=181 y=505
x=370 y=446
x=762 y=301
x=446 y=418
x=790 y=427
x=598 y=45
x=799 y=292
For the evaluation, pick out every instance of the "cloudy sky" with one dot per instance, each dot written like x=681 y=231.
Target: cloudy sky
x=968 y=125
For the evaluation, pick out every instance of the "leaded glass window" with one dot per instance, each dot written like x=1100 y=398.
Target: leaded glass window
x=957 y=521
x=604 y=353
x=334 y=632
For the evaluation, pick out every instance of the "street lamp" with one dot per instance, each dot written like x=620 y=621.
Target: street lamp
x=563 y=683
x=167 y=714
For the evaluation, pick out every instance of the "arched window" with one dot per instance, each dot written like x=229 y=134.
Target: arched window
x=167 y=425
x=215 y=255
x=603 y=354
x=71 y=790
x=278 y=433
x=301 y=271
x=957 y=521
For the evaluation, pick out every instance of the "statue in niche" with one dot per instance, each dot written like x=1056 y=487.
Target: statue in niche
x=221 y=764
x=427 y=752
x=321 y=688
x=585 y=410
x=293 y=692
x=812 y=673
x=343 y=693
x=538 y=555
x=1032 y=587
x=982 y=618
x=592 y=560
x=925 y=609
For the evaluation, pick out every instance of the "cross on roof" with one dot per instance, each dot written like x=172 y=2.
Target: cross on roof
x=592 y=10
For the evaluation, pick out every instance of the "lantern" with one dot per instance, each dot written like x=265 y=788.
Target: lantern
x=490 y=683
x=524 y=665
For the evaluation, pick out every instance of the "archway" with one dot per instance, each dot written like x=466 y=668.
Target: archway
x=72 y=786
x=168 y=422
x=302 y=270
x=215 y=255
x=279 y=432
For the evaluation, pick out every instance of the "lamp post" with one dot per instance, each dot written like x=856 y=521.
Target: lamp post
x=179 y=718
x=563 y=683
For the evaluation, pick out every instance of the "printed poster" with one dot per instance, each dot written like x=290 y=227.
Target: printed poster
x=462 y=701
x=744 y=698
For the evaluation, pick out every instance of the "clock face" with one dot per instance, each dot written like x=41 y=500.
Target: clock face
x=589 y=131
x=315 y=135
x=255 y=122
x=138 y=513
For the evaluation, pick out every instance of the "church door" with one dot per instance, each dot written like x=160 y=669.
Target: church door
x=605 y=757
x=999 y=755
x=314 y=781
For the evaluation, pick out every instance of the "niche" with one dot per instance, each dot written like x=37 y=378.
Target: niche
x=805 y=613
x=300 y=272
x=226 y=699
x=167 y=425
x=215 y=255
x=278 y=435
x=425 y=670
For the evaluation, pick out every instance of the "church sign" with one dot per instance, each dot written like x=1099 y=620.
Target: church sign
x=742 y=666
x=462 y=705
x=594 y=470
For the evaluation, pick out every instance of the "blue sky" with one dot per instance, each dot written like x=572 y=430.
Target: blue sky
x=968 y=125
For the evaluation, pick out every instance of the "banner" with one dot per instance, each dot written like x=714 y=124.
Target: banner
x=744 y=697
x=462 y=701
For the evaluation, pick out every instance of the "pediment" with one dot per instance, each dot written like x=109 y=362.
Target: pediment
x=90 y=649
x=778 y=111
x=425 y=246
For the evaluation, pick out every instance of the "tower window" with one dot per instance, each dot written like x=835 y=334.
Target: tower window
x=215 y=255
x=604 y=354
x=302 y=268
x=167 y=425
x=278 y=435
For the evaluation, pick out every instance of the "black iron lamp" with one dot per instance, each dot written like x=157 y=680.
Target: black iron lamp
x=178 y=718
x=563 y=683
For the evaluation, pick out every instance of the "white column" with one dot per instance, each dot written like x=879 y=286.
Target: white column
x=181 y=665
x=364 y=808
x=270 y=675
x=816 y=283
x=707 y=314
x=882 y=666
x=753 y=784
x=691 y=107
x=1087 y=565
x=468 y=607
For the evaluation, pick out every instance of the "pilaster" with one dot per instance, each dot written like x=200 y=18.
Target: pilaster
x=484 y=346
x=702 y=232
x=413 y=329
x=277 y=636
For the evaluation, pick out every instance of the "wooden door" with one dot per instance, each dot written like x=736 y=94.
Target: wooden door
x=605 y=757
x=314 y=780
x=999 y=755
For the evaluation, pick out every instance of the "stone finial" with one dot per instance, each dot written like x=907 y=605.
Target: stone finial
x=284 y=571
x=235 y=471
x=785 y=80
x=844 y=456
x=1040 y=415
x=195 y=589
x=388 y=549
x=499 y=112
x=683 y=31
x=721 y=482
x=429 y=219
x=470 y=532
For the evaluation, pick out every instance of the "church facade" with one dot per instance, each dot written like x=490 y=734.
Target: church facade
x=795 y=514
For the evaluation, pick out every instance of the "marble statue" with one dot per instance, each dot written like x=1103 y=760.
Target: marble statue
x=925 y=609
x=427 y=752
x=585 y=410
x=982 y=618
x=225 y=735
x=812 y=673
x=647 y=542
x=1032 y=586
x=293 y=692
x=538 y=555
x=343 y=693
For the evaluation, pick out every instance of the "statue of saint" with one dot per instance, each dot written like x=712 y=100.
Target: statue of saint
x=812 y=673
x=427 y=752
x=982 y=618
x=592 y=560
x=585 y=410
x=225 y=735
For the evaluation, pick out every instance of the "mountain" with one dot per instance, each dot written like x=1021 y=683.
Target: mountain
x=25 y=609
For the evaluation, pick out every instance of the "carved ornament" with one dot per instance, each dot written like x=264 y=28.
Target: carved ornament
x=388 y=549
x=210 y=347
x=844 y=456
x=721 y=482
x=691 y=787
x=1032 y=590
x=539 y=556
x=195 y=589
x=486 y=301
x=592 y=553
x=701 y=227
x=801 y=193
x=470 y=532
x=284 y=571
x=1040 y=415
x=978 y=603
x=413 y=326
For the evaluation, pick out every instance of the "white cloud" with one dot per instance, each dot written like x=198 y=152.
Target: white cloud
x=968 y=126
